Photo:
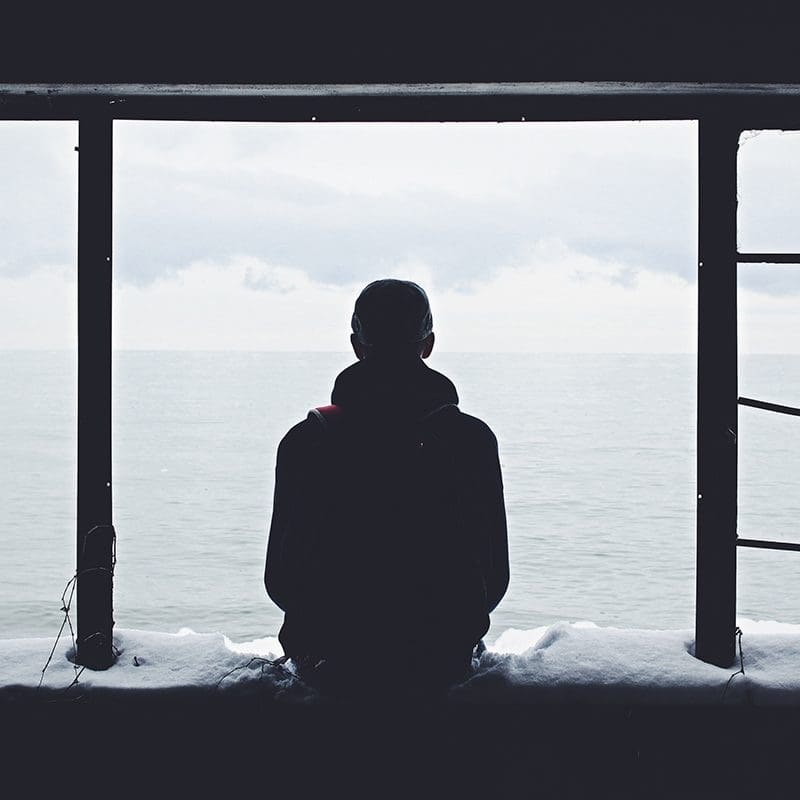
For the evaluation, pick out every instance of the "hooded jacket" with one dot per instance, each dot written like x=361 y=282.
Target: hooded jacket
x=388 y=533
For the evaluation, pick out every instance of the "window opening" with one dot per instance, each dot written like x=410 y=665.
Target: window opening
x=768 y=297
x=38 y=361
x=235 y=239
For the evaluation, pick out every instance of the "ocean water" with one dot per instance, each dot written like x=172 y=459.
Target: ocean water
x=598 y=457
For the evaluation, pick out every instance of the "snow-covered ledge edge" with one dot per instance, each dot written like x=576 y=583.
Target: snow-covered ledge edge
x=565 y=662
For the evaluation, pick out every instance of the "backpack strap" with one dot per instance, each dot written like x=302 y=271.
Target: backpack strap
x=328 y=416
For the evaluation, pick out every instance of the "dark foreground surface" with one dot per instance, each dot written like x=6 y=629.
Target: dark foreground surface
x=200 y=745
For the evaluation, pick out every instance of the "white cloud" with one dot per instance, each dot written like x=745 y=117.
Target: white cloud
x=571 y=303
x=39 y=311
x=562 y=302
x=541 y=237
x=558 y=302
x=38 y=195
x=769 y=198
x=341 y=201
x=768 y=323
x=212 y=307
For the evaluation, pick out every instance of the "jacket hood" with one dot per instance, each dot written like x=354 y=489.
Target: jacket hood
x=405 y=388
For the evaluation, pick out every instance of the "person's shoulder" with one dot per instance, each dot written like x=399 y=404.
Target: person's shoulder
x=300 y=437
x=473 y=429
x=445 y=386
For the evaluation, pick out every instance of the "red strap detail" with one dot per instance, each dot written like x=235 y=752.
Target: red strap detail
x=327 y=415
x=330 y=412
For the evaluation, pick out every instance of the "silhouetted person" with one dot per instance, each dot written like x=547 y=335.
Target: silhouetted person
x=388 y=546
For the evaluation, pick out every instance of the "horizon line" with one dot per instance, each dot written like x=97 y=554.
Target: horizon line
x=348 y=353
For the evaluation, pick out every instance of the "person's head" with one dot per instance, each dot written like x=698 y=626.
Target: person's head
x=392 y=318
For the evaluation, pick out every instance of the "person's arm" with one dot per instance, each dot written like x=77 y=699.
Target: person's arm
x=278 y=578
x=498 y=571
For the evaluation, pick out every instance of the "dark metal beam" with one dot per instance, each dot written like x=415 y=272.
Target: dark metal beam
x=178 y=91
x=766 y=544
x=487 y=101
x=778 y=409
x=715 y=622
x=95 y=555
x=768 y=258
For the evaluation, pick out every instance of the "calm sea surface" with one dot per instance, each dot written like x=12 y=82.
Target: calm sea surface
x=598 y=454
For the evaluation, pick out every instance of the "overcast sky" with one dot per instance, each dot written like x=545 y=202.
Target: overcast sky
x=527 y=236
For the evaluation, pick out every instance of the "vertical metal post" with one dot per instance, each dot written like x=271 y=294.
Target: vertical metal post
x=95 y=534
x=717 y=410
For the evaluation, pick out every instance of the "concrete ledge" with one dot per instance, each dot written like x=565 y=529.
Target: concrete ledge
x=576 y=711
x=188 y=744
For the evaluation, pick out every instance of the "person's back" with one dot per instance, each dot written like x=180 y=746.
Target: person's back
x=387 y=548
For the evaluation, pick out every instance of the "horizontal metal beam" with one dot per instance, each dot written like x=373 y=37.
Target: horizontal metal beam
x=778 y=409
x=765 y=544
x=768 y=258
x=464 y=89
x=480 y=101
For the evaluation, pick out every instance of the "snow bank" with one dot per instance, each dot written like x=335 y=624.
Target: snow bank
x=565 y=662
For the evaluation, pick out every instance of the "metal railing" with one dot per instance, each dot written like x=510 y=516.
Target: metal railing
x=768 y=544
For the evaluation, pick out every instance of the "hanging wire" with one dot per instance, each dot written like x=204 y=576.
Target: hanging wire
x=66 y=604
x=65 y=607
x=280 y=663
x=739 y=671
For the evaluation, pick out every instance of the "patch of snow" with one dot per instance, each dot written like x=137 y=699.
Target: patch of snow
x=268 y=647
x=564 y=662
x=516 y=641
x=768 y=626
